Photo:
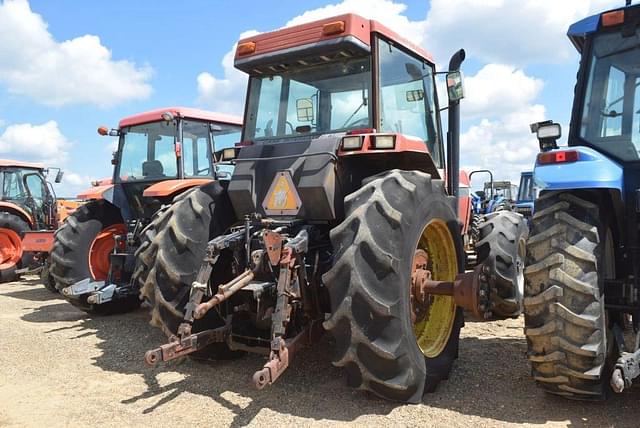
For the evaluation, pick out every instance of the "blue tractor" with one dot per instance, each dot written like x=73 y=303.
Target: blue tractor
x=582 y=300
x=527 y=192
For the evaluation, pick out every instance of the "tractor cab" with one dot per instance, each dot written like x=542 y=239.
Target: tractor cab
x=350 y=89
x=162 y=151
x=25 y=189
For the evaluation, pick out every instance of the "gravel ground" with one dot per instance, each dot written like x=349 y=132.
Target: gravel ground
x=60 y=367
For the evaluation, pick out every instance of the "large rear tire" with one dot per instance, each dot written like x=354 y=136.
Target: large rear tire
x=502 y=247
x=12 y=229
x=570 y=252
x=388 y=219
x=172 y=249
x=80 y=250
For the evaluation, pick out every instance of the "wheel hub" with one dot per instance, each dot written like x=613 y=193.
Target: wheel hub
x=419 y=276
x=10 y=248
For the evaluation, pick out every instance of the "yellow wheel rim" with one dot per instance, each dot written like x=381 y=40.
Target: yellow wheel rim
x=433 y=328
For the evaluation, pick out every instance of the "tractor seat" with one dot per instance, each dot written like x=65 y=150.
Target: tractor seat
x=152 y=168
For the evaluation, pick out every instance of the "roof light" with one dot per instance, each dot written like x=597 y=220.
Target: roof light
x=332 y=28
x=246 y=48
x=564 y=156
x=167 y=116
x=383 y=141
x=103 y=130
x=352 y=142
x=610 y=19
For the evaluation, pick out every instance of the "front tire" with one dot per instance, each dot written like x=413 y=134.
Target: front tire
x=570 y=253
x=388 y=219
x=502 y=247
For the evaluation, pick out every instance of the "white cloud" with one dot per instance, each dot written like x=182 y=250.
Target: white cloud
x=226 y=94
x=46 y=144
x=37 y=143
x=507 y=31
x=76 y=71
x=387 y=12
x=497 y=90
x=504 y=145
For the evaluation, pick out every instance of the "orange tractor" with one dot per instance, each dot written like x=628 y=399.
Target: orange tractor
x=161 y=155
x=339 y=215
x=29 y=213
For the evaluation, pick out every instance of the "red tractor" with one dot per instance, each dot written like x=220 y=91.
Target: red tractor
x=161 y=155
x=338 y=216
x=29 y=212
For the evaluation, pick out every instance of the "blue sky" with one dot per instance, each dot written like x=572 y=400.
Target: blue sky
x=57 y=85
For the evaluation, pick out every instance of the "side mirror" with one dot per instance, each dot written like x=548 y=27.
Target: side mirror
x=304 y=107
x=547 y=133
x=104 y=131
x=59 y=175
x=455 y=86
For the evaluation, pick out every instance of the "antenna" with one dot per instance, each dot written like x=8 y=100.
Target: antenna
x=628 y=2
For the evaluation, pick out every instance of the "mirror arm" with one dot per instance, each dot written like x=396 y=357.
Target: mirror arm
x=453 y=136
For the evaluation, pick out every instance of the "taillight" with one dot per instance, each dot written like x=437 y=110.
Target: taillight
x=383 y=141
x=352 y=142
x=558 y=157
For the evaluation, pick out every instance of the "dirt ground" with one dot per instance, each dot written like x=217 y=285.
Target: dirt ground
x=60 y=367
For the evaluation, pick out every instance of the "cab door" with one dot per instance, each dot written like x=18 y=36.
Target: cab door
x=38 y=199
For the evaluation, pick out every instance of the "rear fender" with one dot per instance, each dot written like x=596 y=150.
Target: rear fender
x=593 y=170
x=16 y=209
x=169 y=188
x=98 y=192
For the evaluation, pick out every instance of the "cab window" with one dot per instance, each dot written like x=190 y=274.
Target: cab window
x=407 y=96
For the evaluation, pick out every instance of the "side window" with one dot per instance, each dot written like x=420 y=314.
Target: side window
x=407 y=96
x=35 y=185
x=12 y=186
x=195 y=140
x=612 y=114
x=266 y=121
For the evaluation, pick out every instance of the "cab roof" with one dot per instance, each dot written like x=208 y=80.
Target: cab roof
x=579 y=31
x=184 y=112
x=8 y=163
x=310 y=34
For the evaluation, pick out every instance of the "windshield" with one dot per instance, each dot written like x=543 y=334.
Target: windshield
x=611 y=110
x=147 y=152
x=330 y=97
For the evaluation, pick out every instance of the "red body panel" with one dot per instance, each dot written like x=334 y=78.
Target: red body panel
x=185 y=112
x=95 y=192
x=38 y=241
x=310 y=33
x=403 y=144
x=170 y=187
